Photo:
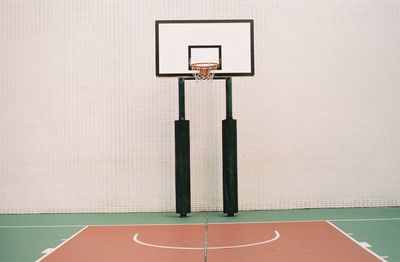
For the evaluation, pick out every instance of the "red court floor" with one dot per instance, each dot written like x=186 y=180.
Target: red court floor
x=293 y=241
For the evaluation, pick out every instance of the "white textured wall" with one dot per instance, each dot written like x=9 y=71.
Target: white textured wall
x=86 y=126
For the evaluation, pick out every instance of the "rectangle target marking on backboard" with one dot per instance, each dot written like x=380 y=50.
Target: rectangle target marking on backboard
x=180 y=43
x=205 y=53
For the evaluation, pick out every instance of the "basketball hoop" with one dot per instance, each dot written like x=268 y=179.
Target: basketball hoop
x=204 y=70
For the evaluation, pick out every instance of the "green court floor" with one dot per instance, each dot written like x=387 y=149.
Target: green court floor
x=25 y=237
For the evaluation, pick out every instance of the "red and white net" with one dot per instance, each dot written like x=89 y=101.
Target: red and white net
x=204 y=71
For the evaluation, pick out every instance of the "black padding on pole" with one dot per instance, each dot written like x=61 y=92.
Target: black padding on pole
x=229 y=155
x=182 y=167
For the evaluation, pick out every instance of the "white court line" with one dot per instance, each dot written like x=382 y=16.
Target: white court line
x=365 y=244
x=57 y=247
x=212 y=223
x=47 y=250
x=355 y=241
x=136 y=236
x=206 y=239
x=366 y=219
x=43 y=226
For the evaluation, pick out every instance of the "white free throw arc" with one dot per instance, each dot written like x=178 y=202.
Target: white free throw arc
x=136 y=239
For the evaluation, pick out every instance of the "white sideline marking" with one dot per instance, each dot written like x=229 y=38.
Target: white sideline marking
x=355 y=241
x=43 y=226
x=135 y=238
x=365 y=244
x=57 y=247
x=47 y=250
x=365 y=219
x=214 y=223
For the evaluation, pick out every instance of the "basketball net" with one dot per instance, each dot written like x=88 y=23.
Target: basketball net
x=204 y=70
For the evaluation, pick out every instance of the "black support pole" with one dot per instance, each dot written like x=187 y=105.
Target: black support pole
x=182 y=157
x=229 y=155
x=228 y=96
x=181 y=99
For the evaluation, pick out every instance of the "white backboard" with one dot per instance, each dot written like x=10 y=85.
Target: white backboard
x=230 y=43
